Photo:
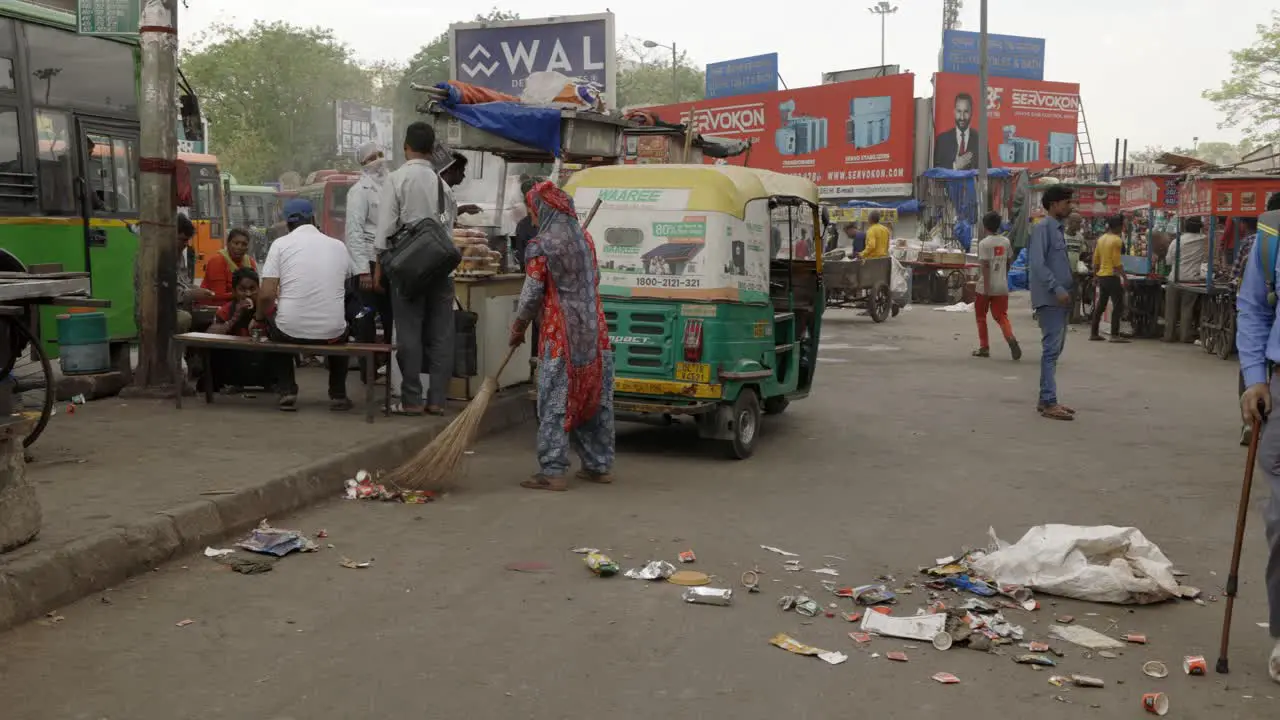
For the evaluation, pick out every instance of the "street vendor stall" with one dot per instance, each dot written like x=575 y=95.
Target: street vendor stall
x=1222 y=200
x=513 y=132
x=946 y=263
x=1149 y=204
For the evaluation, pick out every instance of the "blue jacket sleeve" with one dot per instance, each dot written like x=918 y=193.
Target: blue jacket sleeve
x=1254 y=317
x=1038 y=260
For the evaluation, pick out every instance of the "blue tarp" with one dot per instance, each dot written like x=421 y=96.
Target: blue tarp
x=537 y=127
x=1018 y=272
x=945 y=174
x=910 y=205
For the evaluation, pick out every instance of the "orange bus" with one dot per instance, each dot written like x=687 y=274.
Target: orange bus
x=208 y=212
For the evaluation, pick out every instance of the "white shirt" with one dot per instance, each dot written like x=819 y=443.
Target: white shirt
x=410 y=194
x=1193 y=253
x=994 y=249
x=312 y=269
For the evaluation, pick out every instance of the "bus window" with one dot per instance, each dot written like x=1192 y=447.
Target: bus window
x=80 y=71
x=53 y=163
x=6 y=74
x=208 y=197
x=111 y=170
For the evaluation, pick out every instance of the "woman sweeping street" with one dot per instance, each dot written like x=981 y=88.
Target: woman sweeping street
x=575 y=367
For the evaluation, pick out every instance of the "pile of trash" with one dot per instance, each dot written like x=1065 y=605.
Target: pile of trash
x=982 y=599
x=363 y=487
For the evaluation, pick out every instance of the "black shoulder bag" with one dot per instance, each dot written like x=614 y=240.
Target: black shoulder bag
x=421 y=254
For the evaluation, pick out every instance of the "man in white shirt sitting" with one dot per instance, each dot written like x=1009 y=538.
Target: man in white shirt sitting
x=303 y=297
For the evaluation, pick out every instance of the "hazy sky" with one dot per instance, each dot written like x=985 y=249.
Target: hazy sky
x=1141 y=64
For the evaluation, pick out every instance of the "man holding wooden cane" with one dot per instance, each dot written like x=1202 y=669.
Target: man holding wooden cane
x=1258 y=340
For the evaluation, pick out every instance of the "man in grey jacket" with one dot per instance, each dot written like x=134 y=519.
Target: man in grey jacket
x=424 y=324
x=361 y=230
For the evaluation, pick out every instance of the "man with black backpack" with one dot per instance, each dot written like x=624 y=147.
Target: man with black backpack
x=422 y=306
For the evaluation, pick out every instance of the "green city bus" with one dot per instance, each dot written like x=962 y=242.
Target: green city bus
x=253 y=208
x=69 y=158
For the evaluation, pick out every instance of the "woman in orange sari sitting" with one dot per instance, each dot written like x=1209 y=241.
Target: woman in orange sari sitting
x=220 y=268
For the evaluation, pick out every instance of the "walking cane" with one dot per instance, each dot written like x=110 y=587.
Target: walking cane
x=1242 y=514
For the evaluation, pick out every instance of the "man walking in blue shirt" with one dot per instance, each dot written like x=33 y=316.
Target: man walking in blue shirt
x=1051 y=283
x=1258 y=340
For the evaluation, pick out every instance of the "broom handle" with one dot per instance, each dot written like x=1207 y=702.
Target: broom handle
x=1242 y=515
x=511 y=351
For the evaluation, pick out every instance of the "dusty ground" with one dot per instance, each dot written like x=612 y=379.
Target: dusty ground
x=113 y=461
x=910 y=451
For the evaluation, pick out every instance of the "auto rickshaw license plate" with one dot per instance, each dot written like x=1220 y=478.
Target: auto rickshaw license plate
x=693 y=372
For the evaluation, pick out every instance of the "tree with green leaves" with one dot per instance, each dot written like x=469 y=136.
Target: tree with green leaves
x=269 y=93
x=1251 y=98
x=645 y=76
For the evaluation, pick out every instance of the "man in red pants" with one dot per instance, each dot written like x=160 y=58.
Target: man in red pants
x=993 y=286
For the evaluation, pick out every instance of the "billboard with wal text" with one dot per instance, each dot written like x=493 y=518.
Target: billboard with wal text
x=852 y=139
x=1032 y=123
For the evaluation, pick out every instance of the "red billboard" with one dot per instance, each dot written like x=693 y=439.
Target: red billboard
x=1241 y=196
x=1097 y=200
x=1032 y=123
x=853 y=139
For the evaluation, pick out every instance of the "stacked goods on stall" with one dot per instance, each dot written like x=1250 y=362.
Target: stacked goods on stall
x=477 y=257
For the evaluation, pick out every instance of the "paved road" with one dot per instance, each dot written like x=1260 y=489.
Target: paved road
x=910 y=451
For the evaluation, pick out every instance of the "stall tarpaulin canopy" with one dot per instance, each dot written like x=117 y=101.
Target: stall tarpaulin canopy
x=961 y=189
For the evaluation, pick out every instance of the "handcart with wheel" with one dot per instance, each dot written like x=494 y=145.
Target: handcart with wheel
x=861 y=283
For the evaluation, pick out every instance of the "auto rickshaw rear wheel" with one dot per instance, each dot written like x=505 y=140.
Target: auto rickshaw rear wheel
x=776 y=405
x=746 y=424
x=881 y=303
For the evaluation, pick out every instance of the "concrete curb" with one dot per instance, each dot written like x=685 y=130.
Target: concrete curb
x=36 y=584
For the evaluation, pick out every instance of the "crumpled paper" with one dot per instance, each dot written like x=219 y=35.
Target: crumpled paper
x=276 y=541
x=654 y=570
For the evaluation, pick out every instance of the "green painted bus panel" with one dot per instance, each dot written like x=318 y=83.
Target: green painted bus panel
x=113 y=270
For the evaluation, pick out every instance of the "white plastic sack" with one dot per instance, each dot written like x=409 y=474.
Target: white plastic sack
x=1101 y=564
x=900 y=279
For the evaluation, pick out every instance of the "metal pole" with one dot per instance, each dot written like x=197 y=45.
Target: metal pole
x=1124 y=159
x=882 y=17
x=157 y=269
x=984 y=141
x=675 y=85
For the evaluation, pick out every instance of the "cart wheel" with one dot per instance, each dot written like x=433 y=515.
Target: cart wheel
x=776 y=405
x=746 y=425
x=33 y=384
x=1227 y=346
x=880 y=304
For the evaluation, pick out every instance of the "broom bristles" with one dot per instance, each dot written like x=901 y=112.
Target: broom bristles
x=434 y=467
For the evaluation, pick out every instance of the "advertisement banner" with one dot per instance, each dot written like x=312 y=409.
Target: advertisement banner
x=843 y=215
x=1033 y=124
x=1143 y=192
x=744 y=76
x=1009 y=56
x=650 y=244
x=853 y=139
x=1230 y=197
x=1097 y=200
x=501 y=55
x=358 y=123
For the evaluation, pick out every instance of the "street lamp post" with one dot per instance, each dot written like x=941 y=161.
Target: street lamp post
x=675 y=57
x=882 y=9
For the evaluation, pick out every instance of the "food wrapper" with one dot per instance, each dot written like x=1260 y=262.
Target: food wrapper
x=791 y=645
x=654 y=570
x=873 y=595
x=709 y=596
x=601 y=564
x=917 y=627
x=276 y=541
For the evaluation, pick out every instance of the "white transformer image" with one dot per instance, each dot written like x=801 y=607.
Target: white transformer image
x=799 y=134
x=1062 y=148
x=1018 y=151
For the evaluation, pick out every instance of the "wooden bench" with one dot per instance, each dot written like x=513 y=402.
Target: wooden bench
x=206 y=343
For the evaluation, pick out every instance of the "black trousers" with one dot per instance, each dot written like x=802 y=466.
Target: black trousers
x=1109 y=288
x=287 y=384
x=365 y=328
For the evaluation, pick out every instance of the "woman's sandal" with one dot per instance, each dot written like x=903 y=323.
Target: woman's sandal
x=541 y=482
x=599 y=478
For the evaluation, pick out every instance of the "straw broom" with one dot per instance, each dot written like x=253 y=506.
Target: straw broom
x=434 y=466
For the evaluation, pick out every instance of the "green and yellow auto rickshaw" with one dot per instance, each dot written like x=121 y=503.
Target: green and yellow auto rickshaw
x=714 y=310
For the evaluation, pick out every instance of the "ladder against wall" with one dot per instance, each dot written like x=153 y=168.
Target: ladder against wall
x=1084 y=148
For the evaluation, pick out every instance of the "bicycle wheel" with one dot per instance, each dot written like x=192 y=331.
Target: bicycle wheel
x=33 y=385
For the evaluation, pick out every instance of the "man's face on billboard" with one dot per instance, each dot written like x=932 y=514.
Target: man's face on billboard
x=964 y=113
